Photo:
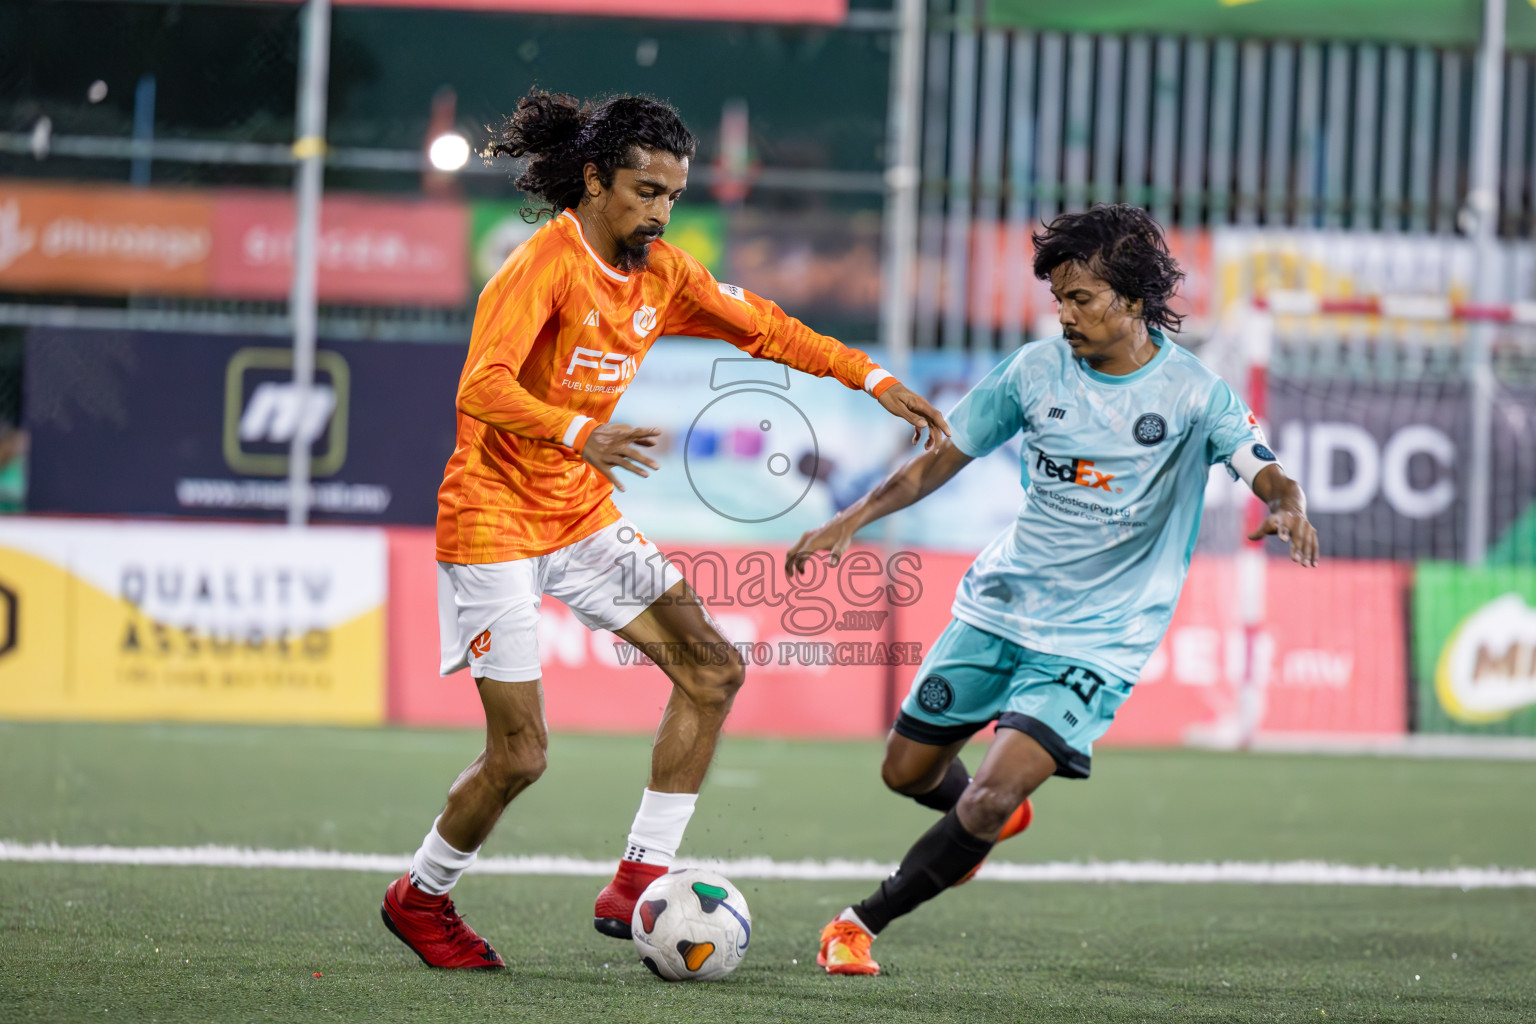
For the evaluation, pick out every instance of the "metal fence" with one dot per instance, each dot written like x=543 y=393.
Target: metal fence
x=1018 y=126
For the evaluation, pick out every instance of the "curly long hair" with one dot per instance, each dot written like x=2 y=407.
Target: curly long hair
x=563 y=134
x=1121 y=244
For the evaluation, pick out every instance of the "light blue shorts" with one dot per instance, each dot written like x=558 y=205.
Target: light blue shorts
x=971 y=677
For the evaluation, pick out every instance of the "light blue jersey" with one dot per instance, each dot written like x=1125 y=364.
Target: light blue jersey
x=1114 y=472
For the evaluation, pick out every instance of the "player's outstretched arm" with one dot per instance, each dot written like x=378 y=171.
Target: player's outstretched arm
x=1287 y=517
x=900 y=400
x=757 y=326
x=911 y=483
x=614 y=445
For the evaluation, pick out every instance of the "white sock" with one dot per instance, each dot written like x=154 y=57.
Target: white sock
x=437 y=866
x=849 y=915
x=658 y=828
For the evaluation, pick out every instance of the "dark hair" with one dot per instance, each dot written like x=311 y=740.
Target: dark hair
x=564 y=134
x=1121 y=244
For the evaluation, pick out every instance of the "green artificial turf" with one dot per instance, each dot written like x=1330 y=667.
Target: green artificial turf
x=192 y=944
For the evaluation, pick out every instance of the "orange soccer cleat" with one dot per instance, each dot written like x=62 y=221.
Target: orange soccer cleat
x=845 y=949
x=433 y=929
x=616 y=903
x=1017 y=822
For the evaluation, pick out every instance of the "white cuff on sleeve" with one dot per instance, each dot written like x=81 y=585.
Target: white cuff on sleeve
x=1250 y=459
x=874 y=377
x=577 y=422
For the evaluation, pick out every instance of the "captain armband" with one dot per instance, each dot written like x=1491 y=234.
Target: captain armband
x=1250 y=459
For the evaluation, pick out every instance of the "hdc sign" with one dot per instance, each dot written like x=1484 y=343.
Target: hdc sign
x=1414 y=471
x=1386 y=466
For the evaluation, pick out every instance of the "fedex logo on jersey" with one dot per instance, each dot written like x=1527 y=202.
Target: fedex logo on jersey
x=1074 y=471
x=609 y=365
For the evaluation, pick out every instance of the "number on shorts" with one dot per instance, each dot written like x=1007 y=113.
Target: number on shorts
x=1082 y=682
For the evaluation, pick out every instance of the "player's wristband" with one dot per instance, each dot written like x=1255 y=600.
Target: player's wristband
x=577 y=433
x=878 y=381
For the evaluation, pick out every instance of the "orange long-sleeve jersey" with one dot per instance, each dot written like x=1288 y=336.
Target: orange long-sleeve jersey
x=558 y=336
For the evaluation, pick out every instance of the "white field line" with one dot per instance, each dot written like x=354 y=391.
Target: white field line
x=1248 y=873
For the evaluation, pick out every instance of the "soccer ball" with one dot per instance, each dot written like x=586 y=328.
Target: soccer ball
x=691 y=925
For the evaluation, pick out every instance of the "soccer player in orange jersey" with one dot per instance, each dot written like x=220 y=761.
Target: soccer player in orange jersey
x=525 y=508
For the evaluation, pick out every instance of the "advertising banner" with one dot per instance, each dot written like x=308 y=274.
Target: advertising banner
x=110 y=240
x=1331 y=654
x=834 y=655
x=725 y=477
x=815 y=12
x=1331 y=657
x=371 y=250
x=820 y=651
x=1474 y=648
x=1386 y=465
x=199 y=622
x=104 y=240
x=129 y=423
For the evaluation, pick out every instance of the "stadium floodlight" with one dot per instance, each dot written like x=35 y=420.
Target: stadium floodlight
x=449 y=151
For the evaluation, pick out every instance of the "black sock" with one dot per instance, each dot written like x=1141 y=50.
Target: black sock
x=936 y=861
x=946 y=794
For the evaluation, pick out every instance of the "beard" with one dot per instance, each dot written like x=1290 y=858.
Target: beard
x=635 y=252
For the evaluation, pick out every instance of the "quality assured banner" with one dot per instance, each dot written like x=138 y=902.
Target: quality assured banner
x=118 y=620
x=1474 y=648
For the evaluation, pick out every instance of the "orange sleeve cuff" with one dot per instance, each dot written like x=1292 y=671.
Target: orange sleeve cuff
x=584 y=433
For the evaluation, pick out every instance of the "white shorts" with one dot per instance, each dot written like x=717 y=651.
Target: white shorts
x=488 y=615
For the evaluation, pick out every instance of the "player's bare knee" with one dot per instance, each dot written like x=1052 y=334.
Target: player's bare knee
x=512 y=776
x=715 y=686
x=907 y=779
x=984 y=809
x=515 y=761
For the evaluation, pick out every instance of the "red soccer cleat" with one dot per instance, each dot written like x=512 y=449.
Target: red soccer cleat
x=433 y=929
x=1017 y=822
x=616 y=903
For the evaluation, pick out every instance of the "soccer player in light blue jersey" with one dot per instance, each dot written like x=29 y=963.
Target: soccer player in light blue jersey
x=1056 y=617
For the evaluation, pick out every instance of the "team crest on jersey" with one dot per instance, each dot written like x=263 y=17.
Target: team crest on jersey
x=644 y=320
x=1150 y=429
